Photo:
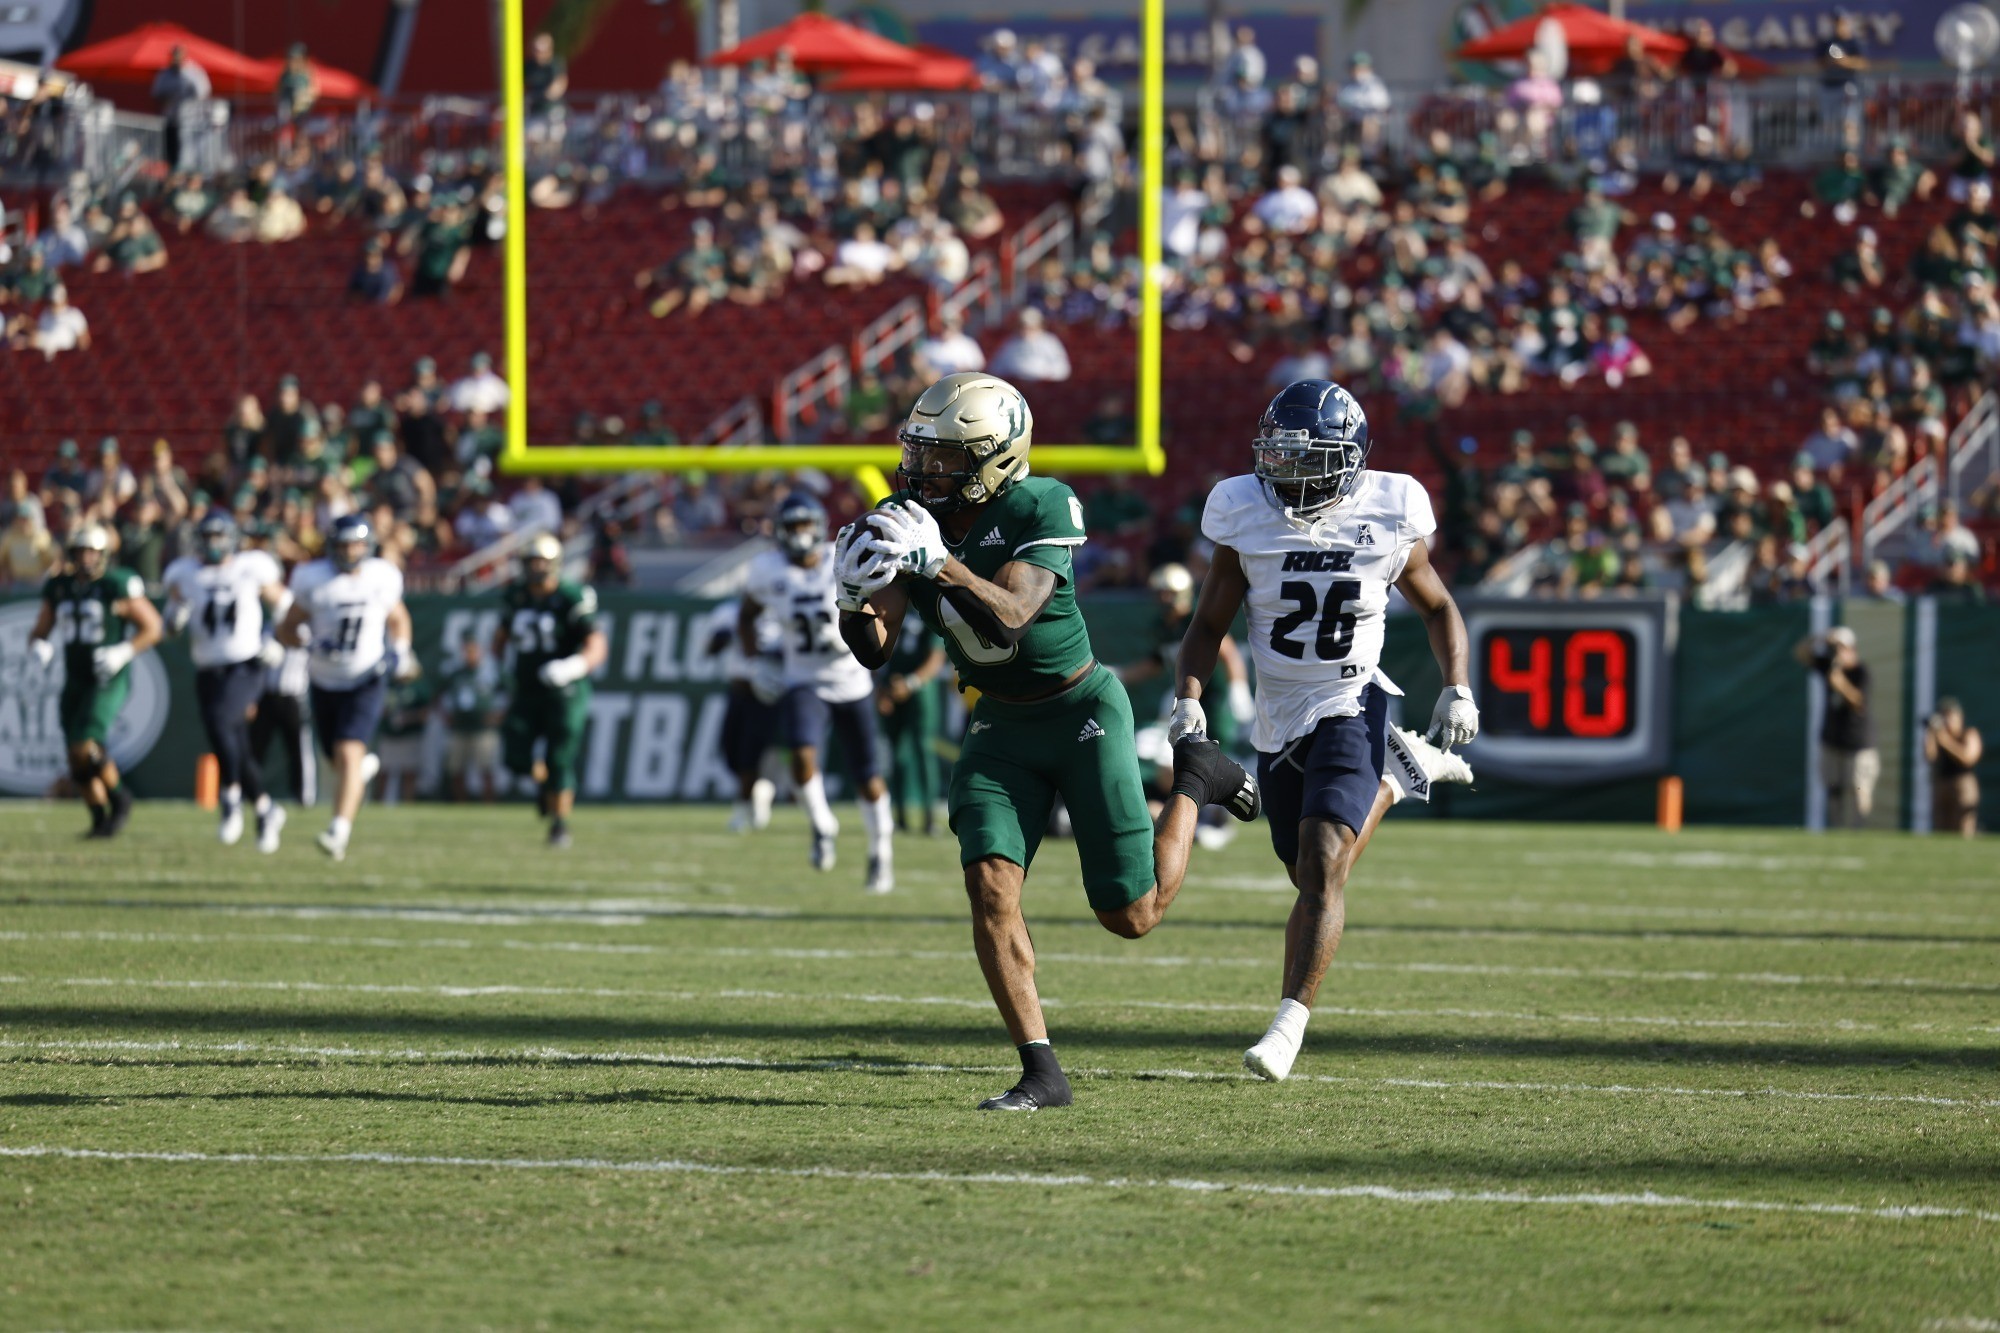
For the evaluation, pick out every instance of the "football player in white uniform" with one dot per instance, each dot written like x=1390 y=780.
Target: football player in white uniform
x=351 y=603
x=750 y=722
x=218 y=599
x=1312 y=541
x=823 y=682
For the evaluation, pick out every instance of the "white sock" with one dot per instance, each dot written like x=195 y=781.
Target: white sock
x=1290 y=1024
x=812 y=795
x=232 y=796
x=762 y=792
x=340 y=828
x=880 y=822
x=264 y=805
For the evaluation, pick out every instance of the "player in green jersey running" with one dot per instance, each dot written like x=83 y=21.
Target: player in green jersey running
x=981 y=551
x=102 y=619
x=551 y=625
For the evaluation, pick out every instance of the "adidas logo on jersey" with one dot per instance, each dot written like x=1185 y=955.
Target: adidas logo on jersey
x=993 y=538
x=1091 y=731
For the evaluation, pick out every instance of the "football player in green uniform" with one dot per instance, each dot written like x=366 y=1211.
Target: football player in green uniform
x=551 y=625
x=982 y=552
x=907 y=693
x=100 y=616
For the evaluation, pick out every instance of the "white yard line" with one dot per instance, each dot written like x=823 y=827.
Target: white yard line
x=1130 y=959
x=1379 y=1193
x=949 y=1001
x=558 y=1055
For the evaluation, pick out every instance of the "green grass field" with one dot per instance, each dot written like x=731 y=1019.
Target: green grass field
x=1581 y=1076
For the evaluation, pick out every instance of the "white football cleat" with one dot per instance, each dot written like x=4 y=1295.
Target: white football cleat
x=1272 y=1057
x=881 y=875
x=230 y=831
x=269 y=825
x=1413 y=764
x=332 y=846
x=822 y=852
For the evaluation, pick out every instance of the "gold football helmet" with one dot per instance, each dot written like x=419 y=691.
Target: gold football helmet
x=966 y=438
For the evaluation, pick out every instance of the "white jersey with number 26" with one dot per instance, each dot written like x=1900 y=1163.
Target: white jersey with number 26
x=225 y=604
x=348 y=614
x=1317 y=602
x=801 y=600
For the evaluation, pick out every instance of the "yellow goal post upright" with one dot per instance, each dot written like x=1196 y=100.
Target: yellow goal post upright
x=868 y=463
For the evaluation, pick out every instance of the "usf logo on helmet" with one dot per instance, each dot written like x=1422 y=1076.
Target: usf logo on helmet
x=964 y=441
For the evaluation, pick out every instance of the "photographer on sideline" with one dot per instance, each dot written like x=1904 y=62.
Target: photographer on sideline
x=1953 y=749
x=1848 y=761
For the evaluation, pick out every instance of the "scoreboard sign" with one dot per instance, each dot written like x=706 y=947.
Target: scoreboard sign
x=1570 y=691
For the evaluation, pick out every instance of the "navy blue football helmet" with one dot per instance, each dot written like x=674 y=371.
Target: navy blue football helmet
x=349 y=532
x=1311 y=446
x=219 y=535
x=801 y=523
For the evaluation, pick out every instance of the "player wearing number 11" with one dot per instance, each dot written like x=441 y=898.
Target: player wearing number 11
x=1312 y=541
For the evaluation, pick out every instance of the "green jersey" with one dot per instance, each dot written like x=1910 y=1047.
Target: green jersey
x=912 y=649
x=85 y=615
x=470 y=699
x=1037 y=520
x=543 y=628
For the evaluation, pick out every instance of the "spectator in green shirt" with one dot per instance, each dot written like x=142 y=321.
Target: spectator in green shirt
x=469 y=693
x=1812 y=497
x=1841 y=185
x=1626 y=465
x=1900 y=179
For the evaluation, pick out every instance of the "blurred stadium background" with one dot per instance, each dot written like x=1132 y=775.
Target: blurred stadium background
x=1690 y=328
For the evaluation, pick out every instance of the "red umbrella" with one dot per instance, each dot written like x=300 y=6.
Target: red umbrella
x=335 y=85
x=142 y=53
x=1596 y=40
x=935 y=70
x=817 y=42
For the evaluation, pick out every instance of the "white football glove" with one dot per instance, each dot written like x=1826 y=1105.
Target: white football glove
x=109 y=660
x=909 y=533
x=1187 y=719
x=271 y=653
x=767 y=680
x=1455 y=720
x=44 y=651
x=1242 y=703
x=861 y=568
x=407 y=666
x=177 y=619
x=563 y=671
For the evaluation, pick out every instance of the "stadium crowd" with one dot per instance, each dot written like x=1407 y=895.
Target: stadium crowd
x=1292 y=224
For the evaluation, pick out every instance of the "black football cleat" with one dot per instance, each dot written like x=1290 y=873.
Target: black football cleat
x=1203 y=772
x=1034 y=1094
x=121 y=812
x=559 y=833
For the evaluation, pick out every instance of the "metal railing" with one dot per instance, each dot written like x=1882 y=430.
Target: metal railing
x=741 y=423
x=1830 y=556
x=888 y=333
x=1930 y=479
x=981 y=289
x=1053 y=230
x=822 y=378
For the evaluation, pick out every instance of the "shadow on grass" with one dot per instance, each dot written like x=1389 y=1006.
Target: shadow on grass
x=1076 y=1036
x=623 y=1097
x=767 y=912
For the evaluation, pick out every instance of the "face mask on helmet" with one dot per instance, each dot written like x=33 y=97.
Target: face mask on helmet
x=800 y=538
x=1306 y=476
x=89 y=560
x=936 y=474
x=217 y=543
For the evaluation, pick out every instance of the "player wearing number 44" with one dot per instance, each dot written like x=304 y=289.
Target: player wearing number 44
x=357 y=636
x=218 y=598
x=981 y=551
x=1312 y=541
x=102 y=619
x=823 y=683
